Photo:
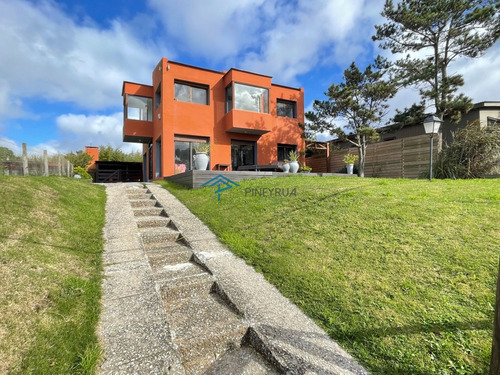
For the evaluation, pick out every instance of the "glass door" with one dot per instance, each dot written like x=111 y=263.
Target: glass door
x=242 y=153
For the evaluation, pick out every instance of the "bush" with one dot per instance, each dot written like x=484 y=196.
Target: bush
x=475 y=152
x=82 y=172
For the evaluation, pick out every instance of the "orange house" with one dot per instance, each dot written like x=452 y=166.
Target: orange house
x=242 y=116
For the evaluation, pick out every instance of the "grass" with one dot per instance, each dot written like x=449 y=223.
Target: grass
x=401 y=273
x=50 y=274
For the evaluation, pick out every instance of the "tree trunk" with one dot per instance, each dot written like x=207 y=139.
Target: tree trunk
x=495 y=349
x=362 y=157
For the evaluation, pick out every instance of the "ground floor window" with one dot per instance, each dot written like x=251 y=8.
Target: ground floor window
x=158 y=158
x=242 y=153
x=185 y=151
x=284 y=151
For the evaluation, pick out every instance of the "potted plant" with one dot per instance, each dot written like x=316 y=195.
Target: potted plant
x=201 y=157
x=285 y=166
x=294 y=161
x=349 y=160
x=305 y=169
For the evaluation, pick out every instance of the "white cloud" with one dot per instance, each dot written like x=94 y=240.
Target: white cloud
x=87 y=130
x=282 y=39
x=45 y=54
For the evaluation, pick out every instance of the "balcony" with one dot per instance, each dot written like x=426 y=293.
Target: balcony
x=247 y=122
x=138 y=121
x=137 y=131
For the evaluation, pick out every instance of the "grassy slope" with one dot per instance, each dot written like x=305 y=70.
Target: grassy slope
x=400 y=272
x=50 y=263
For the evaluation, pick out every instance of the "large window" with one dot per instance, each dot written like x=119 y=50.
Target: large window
x=158 y=158
x=242 y=153
x=191 y=92
x=284 y=151
x=247 y=98
x=185 y=151
x=139 y=108
x=286 y=108
x=158 y=97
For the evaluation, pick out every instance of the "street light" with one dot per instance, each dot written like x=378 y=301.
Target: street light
x=431 y=126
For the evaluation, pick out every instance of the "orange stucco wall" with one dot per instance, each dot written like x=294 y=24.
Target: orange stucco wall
x=172 y=117
x=94 y=152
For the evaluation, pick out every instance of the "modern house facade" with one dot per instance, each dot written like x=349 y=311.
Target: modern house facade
x=244 y=118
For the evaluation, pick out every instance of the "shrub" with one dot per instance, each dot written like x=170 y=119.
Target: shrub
x=82 y=172
x=474 y=152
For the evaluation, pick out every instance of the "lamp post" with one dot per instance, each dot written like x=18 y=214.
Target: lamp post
x=431 y=126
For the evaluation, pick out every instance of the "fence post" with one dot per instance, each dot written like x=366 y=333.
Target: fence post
x=59 y=166
x=67 y=168
x=328 y=168
x=25 y=160
x=45 y=163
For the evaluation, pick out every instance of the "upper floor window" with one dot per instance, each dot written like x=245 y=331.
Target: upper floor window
x=191 y=93
x=158 y=97
x=286 y=108
x=139 y=108
x=247 y=98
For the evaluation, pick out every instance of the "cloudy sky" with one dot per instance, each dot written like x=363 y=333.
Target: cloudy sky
x=62 y=63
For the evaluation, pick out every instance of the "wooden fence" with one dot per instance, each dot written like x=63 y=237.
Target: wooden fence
x=405 y=157
x=35 y=165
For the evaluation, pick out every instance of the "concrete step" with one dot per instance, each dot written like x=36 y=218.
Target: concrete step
x=186 y=287
x=158 y=235
x=137 y=203
x=201 y=315
x=177 y=271
x=169 y=256
x=199 y=354
x=139 y=194
x=152 y=222
x=241 y=361
x=149 y=211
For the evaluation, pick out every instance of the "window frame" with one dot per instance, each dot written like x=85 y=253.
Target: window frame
x=192 y=85
x=232 y=86
x=287 y=102
x=285 y=146
x=149 y=108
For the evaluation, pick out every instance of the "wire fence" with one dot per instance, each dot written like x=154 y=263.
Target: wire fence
x=33 y=164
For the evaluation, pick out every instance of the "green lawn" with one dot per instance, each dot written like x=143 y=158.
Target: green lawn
x=50 y=274
x=400 y=272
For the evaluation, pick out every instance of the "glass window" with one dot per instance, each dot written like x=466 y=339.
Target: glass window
x=286 y=108
x=184 y=153
x=251 y=98
x=158 y=157
x=284 y=151
x=158 y=97
x=229 y=98
x=242 y=153
x=191 y=93
x=139 y=108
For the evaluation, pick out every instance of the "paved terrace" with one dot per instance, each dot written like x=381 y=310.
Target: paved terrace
x=176 y=301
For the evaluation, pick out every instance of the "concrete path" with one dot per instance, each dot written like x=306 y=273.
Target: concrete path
x=176 y=301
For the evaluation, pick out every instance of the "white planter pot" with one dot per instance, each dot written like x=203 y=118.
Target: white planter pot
x=294 y=166
x=285 y=167
x=200 y=161
x=350 y=168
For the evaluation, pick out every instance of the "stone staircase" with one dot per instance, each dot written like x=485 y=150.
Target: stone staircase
x=207 y=330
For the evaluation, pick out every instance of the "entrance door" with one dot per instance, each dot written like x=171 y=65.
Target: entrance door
x=242 y=153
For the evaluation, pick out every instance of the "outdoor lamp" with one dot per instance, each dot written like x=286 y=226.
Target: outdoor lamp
x=431 y=126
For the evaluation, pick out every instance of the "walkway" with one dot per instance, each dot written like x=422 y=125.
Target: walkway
x=176 y=301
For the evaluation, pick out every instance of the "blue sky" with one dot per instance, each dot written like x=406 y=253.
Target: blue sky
x=62 y=63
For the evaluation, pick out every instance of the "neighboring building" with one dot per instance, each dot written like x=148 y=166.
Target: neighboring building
x=244 y=117
x=486 y=112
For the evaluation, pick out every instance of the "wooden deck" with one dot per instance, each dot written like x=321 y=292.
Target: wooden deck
x=194 y=179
